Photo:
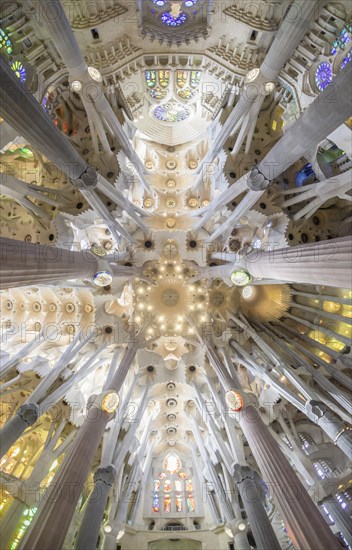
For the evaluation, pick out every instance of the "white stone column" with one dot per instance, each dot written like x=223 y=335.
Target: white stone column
x=325 y=262
x=305 y=525
x=341 y=518
x=56 y=510
x=23 y=112
x=291 y=32
x=263 y=532
x=62 y=36
x=23 y=263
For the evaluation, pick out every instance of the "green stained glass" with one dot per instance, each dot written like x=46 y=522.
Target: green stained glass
x=182 y=78
x=164 y=78
x=150 y=78
x=5 y=42
x=195 y=79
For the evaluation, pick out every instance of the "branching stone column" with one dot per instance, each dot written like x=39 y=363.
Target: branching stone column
x=341 y=517
x=103 y=481
x=263 y=532
x=23 y=263
x=328 y=111
x=326 y=263
x=304 y=522
x=331 y=424
x=56 y=511
x=26 y=416
x=19 y=108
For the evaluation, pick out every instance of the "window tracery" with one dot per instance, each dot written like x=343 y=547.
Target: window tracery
x=175 y=493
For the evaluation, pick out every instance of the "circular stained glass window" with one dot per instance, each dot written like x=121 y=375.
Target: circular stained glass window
x=171 y=112
x=323 y=75
x=19 y=70
x=159 y=2
x=190 y=3
x=168 y=19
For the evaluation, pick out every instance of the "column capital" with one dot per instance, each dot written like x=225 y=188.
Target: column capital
x=256 y=181
x=29 y=413
x=87 y=180
x=316 y=409
x=106 y=475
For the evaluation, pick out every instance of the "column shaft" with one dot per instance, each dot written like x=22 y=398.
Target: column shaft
x=89 y=531
x=56 y=512
x=262 y=529
x=20 y=109
x=326 y=263
x=24 y=263
x=305 y=524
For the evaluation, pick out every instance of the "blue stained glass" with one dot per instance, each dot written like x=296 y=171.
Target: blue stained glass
x=346 y=60
x=343 y=38
x=159 y=2
x=190 y=3
x=171 y=21
x=323 y=75
x=19 y=70
x=171 y=112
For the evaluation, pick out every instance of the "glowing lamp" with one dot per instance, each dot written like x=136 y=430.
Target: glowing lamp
x=234 y=401
x=241 y=277
x=110 y=402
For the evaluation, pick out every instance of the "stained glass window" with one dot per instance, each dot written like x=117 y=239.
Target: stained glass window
x=168 y=19
x=164 y=78
x=189 y=485
x=190 y=503
x=195 y=79
x=178 y=503
x=5 y=42
x=156 y=484
x=158 y=93
x=26 y=520
x=174 y=494
x=171 y=112
x=178 y=485
x=159 y=2
x=186 y=94
x=323 y=75
x=167 y=486
x=182 y=78
x=190 y=3
x=172 y=463
x=150 y=78
x=342 y=39
x=167 y=504
x=156 y=507
x=19 y=70
x=346 y=60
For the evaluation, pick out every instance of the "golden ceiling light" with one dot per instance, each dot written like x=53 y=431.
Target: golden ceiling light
x=171 y=164
x=148 y=203
x=193 y=202
x=149 y=165
x=171 y=202
x=193 y=164
x=205 y=202
x=170 y=184
x=170 y=223
x=264 y=302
